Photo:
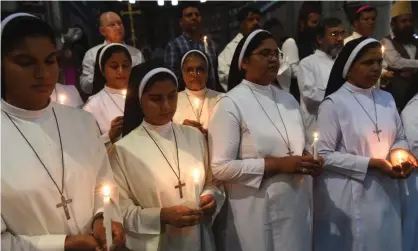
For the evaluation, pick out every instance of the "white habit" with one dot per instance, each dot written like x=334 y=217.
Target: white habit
x=89 y=60
x=29 y=214
x=105 y=106
x=67 y=95
x=187 y=108
x=410 y=201
x=262 y=214
x=356 y=208
x=225 y=58
x=147 y=184
x=353 y=36
x=313 y=80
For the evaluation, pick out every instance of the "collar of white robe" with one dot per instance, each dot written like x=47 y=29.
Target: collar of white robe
x=194 y=51
x=152 y=73
x=354 y=53
x=14 y=16
x=246 y=43
x=103 y=51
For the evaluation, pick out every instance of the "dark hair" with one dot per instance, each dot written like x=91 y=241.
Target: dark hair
x=16 y=30
x=133 y=115
x=329 y=22
x=306 y=9
x=336 y=79
x=273 y=22
x=98 y=79
x=351 y=10
x=209 y=68
x=235 y=74
x=244 y=12
x=187 y=4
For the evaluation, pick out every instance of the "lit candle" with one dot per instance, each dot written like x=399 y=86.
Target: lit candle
x=107 y=218
x=383 y=50
x=401 y=160
x=124 y=92
x=196 y=177
x=196 y=108
x=62 y=99
x=205 y=43
x=314 y=146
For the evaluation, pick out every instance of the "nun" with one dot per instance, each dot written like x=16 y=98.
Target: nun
x=112 y=70
x=196 y=102
x=410 y=200
x=357 y=202
x=167 y=196
x=256 y=143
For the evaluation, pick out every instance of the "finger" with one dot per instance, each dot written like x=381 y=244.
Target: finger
x=309 y=165
x=307 y=158
x=190 y=212
x=190 y=220
x=305 y=171
x=210 y=206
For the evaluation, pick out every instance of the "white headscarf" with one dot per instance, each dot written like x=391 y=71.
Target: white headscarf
x=103 y=51
x=152 y=73
x=13 y=16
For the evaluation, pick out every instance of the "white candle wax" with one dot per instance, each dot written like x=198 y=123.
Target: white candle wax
x=383 y=50
x=315 y=147
x=401 y=160
x=196 y=182
x=107 y=217
x=205 y=43
x=197 y=108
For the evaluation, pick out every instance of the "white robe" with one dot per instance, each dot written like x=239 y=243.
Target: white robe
x=225 y=58
x=263 y=214
x=147 y=184
x=353 y=36
x=186 y=105
x=313 y=80
x=105 y=106
x=410 y=201
x=29 y=215
x=356 y=208
x=67 y=95
x=89 y=60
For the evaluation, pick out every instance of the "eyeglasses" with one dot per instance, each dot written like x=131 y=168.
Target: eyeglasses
x=197 y=71
x=337 y=34
x=269 y=54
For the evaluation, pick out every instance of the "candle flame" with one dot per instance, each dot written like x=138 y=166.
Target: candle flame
x=196 y=103
x=400 y=157
x=196 y=175
x=383 y=49
x=205 y=39
x=124 y=92
x=315 y=135
x=62 y=98
x=106 y=191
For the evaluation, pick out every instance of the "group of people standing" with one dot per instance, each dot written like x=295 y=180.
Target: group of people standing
x=191 y=168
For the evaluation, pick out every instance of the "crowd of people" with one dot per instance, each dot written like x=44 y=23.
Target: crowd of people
x=296 y=144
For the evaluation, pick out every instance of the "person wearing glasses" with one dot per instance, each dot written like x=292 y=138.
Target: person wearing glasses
x=196 y=102
x=258 y=149
x=315 y=70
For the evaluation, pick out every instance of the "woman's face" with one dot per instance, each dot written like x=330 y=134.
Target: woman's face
x=195 y=72
x=365 y=72
x=262 y=65
x=159 y=103
x=30 y=73
x=117 y=71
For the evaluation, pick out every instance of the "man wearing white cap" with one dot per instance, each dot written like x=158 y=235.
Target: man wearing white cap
x=401 y=52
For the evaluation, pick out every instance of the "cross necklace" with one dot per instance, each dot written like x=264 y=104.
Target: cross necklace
x=180 y=184
x=290 y=152
x=198 y=115
x=64 y=202
x=377 y=131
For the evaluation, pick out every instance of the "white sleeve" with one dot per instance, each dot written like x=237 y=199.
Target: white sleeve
x=224 y=63
x=290 y=49
x=330 y=136
x=394 y=59
x=145 y=221
x=224 y=143
x=87 y=75
x=13 y=242
x=410 y=123
x=104 y=136
x=141 y=57
x=400 y=139
x=312 y=96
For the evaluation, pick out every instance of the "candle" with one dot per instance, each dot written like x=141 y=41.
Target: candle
x=124 y=92
x=196 y=105
x=196 y=182
x=401 y=160
x=62 y=99
x=314 y=145
x=383 y=50
x=205 y=43
x=107 y=218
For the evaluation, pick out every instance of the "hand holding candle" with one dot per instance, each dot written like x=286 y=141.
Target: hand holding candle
x=107 y=218
x=314 y=146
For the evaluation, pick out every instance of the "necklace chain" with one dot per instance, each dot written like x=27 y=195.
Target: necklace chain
x=114 y=102
x=281 y=118
x=201 y=108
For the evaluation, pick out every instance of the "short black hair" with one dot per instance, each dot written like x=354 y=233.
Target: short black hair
x=187 y=4
x=269 y=24
x=329 y=22
x=243 y=12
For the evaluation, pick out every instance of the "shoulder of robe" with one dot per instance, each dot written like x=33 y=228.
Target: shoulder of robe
x=286 y=98
x=189 y=131
x=387 y=96
x=93 y=50
x=308 y=60
x=93 y=99
x=290 y=41
x=75 y=115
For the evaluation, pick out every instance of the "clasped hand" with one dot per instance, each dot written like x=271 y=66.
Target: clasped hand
x=196 y=125
x=394 y=167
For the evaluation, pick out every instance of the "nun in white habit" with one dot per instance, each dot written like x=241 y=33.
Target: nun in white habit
x=196 y=102
x=113 y=70
x=410 y=200
x=357 y=202
x=168 y=199
x=67 y=95
x=256 y=143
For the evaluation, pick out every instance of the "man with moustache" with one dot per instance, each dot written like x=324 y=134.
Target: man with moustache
x=111 y=28
x=316 y=68
x=363 y=21
x=191 y=38
x=401 y=54
x=249 y=19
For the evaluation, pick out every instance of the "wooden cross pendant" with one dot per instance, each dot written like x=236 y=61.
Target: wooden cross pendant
x=64 y=202
x=377 y=131
x=179 y=187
